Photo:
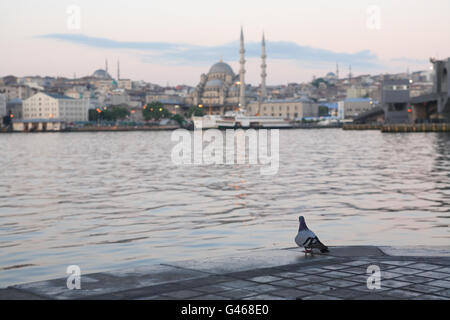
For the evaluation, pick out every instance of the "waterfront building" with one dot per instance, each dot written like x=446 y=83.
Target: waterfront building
x=9 y=80
x=18 y=91
x=52 y=106
x=286 y=108
x=119 y=97
x=434 y=105
x=124 y=84
x=3 y=102
x=441 y=86
x=37 y=125
x=357 y=92
x=353 y=107
x=395 y=97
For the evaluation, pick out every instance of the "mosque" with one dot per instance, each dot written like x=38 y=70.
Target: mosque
x=102 y=74
x=222 y=90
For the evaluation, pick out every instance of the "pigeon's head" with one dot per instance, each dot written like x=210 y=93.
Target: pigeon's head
x=302 y=221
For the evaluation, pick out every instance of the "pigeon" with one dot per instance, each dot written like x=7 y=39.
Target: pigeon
x=308 y=239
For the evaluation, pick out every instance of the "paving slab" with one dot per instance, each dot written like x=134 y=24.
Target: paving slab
x=266 y=279
x=183 y=294
x=340 y=283
x=445 y=293
x=423 y=288
x=374 y=296
x=320 y=297
x=289 y=293
x=344 y=293
x=262 y=288
x=440 y=283
x=429 y=297
x=402 y=294
x=289 y=283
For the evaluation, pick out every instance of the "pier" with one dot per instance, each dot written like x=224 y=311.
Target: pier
x=400 y=127
x=429 y=127
x=279 y=274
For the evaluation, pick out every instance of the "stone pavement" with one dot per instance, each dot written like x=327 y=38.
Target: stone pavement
x=266 y=275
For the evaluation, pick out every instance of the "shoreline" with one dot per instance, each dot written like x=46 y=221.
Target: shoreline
x=124 y=129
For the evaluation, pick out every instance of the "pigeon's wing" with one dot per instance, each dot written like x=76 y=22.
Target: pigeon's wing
x=305 y=238
x=316 y=244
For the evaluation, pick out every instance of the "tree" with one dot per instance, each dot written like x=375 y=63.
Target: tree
x=7 y=120
x=180 y=119
x=194 y=111
x=94 y=115
x=155 y=111
x=323 y=111
x=110 y=114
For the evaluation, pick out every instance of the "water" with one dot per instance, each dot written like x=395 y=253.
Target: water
x=111 y=200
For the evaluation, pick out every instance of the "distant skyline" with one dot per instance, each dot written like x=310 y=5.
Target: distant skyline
x=173 y=42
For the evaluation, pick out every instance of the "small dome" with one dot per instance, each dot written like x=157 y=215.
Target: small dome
x=221 y=67
x=214 y=83
x=101 y=74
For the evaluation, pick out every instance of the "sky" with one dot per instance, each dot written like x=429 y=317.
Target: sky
x=173 y=41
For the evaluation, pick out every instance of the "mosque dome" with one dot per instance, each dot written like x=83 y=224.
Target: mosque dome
x=214 y=83
x=101 y=74
x=221 y=67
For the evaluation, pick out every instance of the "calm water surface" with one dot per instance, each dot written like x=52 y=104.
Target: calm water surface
x=106 y=201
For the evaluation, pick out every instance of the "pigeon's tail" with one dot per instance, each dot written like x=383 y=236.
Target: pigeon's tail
x=324 y=250
x=319 y=245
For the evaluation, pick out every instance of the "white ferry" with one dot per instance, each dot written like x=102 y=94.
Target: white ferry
x=206 y=122
x=233 y=120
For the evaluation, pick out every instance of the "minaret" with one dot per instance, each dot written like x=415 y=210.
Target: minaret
x=350 y=75
x=337 y=71
x=106 y=65
x=242 y=72
x=263 y=69
x=118 y=70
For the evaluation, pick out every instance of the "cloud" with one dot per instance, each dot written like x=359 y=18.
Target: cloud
x=410 y=60
x=171 y=53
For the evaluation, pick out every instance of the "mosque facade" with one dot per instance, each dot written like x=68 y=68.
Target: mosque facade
x=222 y=90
